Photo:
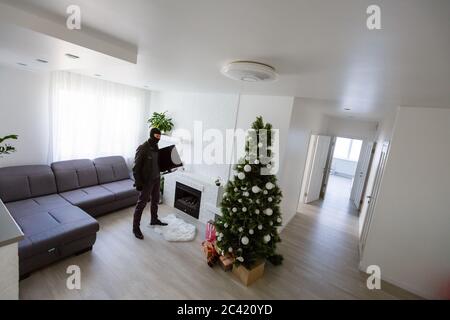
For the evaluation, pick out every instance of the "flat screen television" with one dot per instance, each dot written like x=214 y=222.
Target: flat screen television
x=169 y=159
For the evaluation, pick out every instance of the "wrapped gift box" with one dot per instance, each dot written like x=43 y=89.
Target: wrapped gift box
x=226 y=262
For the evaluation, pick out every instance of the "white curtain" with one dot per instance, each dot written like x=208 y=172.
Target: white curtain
x=93 y=118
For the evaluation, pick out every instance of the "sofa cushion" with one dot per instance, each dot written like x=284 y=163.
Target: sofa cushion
x=28 y=206
x=23 y=207
x=46 y=230
x=74 y=174
x=121 y=189
x=111 y=169
x=23 y=182
x=88 y=197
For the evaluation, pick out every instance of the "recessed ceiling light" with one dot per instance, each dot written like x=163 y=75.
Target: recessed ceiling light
x=22 y=64
x=347 y=109
x=72 y=56
x=41 y=60
x=97 y=75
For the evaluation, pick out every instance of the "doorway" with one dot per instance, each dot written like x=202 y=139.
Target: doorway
x=336 y=172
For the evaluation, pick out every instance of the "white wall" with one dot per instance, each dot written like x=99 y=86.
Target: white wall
x=305 y=120
x=24 y=111
x=384 y=134
x=214 y=111
x=410 y=231
x=351 y=128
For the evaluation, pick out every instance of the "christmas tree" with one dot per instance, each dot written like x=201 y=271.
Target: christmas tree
x=250 y=208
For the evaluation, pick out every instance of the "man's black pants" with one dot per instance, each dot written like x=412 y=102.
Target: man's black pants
x=151 y=192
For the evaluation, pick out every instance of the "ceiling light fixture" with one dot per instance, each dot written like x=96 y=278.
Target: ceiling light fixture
x=72 y=56
x=347 y=109
x=41 y=60
x=22 y=64
x=97 y=75
x=249 y=71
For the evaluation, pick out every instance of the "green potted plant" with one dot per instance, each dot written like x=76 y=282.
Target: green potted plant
x=5 y=148
x=161 y=121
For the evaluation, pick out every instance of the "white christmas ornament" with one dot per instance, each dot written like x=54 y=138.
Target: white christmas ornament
x=257 y=211
x=268 y=212
x=245 y=241
x=260 y=227
x=240 y=200
x=244 y=209
x=256 y=189
x=256 y=161
x=241 y=229
x=226 y=225
x=247 y=168
x=236 y=189
x=267 y=238
x=246 y=194
x=270 y=199
x=257 y=201
x=269 y=185
x=234 y=209
x=241 y=175
x=279 y=220
x=240 y=259
x=230 y=249
x=265 y=192
x=251 y=231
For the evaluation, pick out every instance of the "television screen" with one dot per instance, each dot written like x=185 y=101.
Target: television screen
x=169 y=159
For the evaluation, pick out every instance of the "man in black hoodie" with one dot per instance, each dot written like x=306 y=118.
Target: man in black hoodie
x=147 y=181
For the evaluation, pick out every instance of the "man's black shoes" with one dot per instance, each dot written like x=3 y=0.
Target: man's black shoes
x=138 y=234
x=158 y=223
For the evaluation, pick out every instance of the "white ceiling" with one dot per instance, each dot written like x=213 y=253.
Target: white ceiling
x=321 y=49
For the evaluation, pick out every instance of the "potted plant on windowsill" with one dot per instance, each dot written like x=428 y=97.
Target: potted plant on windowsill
x=6 y=148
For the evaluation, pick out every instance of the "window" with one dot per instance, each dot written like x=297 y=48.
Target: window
x=347 y=149
x=93 y=118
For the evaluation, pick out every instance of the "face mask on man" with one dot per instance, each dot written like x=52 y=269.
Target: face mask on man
x=155 y=135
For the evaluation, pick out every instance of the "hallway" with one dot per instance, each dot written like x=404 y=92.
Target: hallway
x=329 y=242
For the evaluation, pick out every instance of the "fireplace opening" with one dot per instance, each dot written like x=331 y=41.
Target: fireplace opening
x=187 y=199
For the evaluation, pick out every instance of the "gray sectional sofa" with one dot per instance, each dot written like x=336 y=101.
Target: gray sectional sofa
x=55 y=206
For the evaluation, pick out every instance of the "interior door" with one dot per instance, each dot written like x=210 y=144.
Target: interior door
x=361 y=173
x=371 y=200
x=318 y=168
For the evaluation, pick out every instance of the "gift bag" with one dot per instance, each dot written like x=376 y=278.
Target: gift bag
x=210 y=252
x=210 y=232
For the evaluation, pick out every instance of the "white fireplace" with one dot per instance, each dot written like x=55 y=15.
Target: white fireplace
x=211 y=195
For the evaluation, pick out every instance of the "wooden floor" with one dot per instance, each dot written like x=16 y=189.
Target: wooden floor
x=319 y=246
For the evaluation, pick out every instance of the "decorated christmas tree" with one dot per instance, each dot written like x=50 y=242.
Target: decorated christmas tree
x=250 y=208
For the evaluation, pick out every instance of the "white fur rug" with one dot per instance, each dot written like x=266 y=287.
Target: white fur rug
x=176 y=230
